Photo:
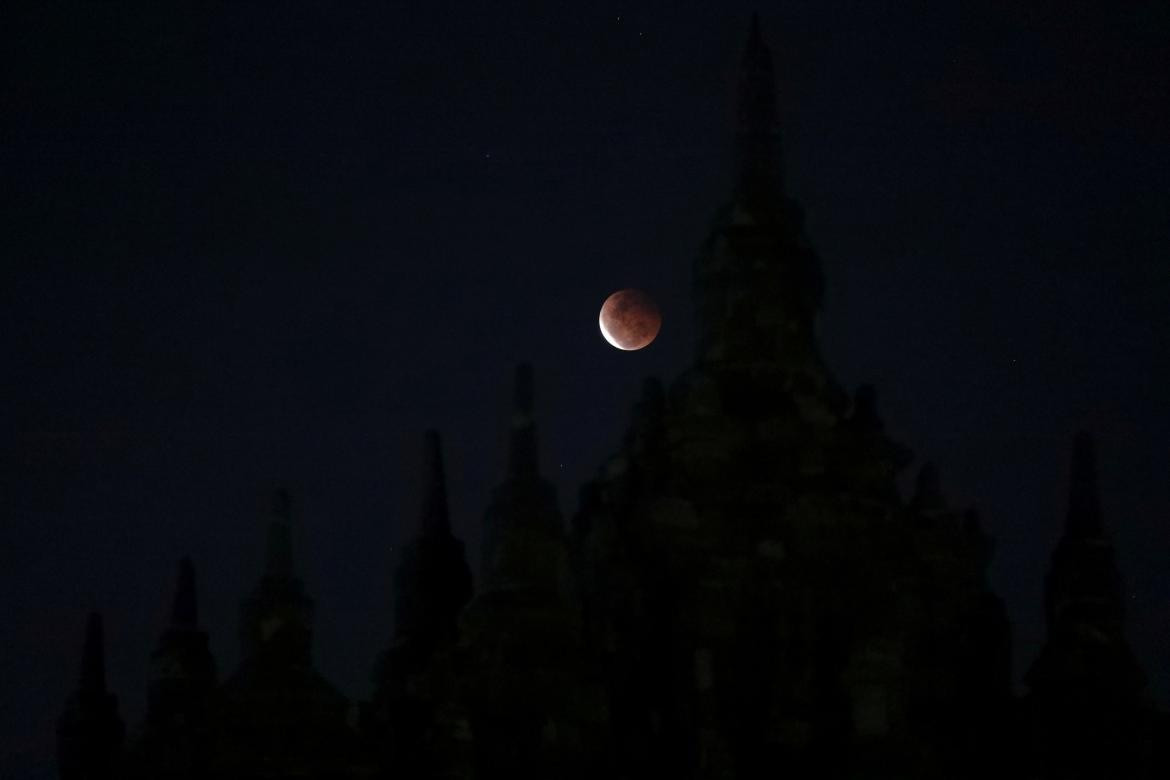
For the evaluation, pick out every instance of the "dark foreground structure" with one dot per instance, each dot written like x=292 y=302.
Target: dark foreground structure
x=742 y=593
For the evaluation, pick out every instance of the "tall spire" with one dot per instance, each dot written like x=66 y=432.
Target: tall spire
x=185 y=608
x=757 y=284
x=1084 y=506
x=433 y=581
x=435 y=517
x=90 y=732
x=278 y=614
x=1086 y=686
x=93 y=662
x=1084 y=582
x=522 y=454
x=522 y=525
x=182 y=675
x=757 y=140
x=278 y=560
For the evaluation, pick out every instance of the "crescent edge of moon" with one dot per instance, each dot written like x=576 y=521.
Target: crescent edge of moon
x=609 y=338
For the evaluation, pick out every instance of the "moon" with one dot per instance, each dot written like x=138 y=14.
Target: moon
x=629 y=319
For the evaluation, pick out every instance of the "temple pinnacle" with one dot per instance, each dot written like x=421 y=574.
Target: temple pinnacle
x=435 y=517
x=522 y=454
x=93 y=662
x=278 y=563
x=1084 y=505
x=185 y=608
x=757 y=142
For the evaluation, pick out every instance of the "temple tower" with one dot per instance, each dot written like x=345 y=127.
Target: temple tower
x=757 y=281
x=1089 y=716
x=278 y=717
x=90 y=732
x=276 y=620
x=534 y=713
x=524 y=548
x=176 y=740
x=756 y=588
x=433 y=581
x=416 y=723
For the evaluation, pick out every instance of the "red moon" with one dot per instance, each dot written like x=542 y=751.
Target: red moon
x=629 y=319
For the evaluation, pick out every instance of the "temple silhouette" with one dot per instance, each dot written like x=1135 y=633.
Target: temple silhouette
x=742 y=592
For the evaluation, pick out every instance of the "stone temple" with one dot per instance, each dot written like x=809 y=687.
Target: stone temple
x=742 y=592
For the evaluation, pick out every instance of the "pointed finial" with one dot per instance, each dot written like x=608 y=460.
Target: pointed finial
x=757 y=140
x=278 y=563
x=1084 y=504
x=522 y=454
x=524 y=389
x=93 y=661
x=185 y=609
x=435 y=518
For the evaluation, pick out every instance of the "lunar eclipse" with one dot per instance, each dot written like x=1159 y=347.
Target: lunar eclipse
x=629 y=319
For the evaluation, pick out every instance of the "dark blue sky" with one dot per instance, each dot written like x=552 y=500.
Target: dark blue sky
x=244 y=248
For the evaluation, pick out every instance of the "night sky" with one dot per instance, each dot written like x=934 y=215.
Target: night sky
x=245 y=248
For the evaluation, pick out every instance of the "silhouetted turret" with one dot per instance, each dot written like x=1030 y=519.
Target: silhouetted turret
x=176 y=740
x=757 y=598
x=90 y=732
x=1083 y=601
x=277 y=619
x=523 y=546
x=757 y=281
x=279 y=715
x=433 y=581
x=525 y=681
x=415 y=722
x=523 y=459
x=757 y=137
x=1089 y=716
x=1084 y=506
x=185 y=609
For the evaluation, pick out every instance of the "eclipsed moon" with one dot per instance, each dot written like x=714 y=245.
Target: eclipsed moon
x=629 y=319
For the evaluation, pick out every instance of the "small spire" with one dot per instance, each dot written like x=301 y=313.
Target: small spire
x=185 y=610
x=435 y=517
x=757 y=141
x=1084 y=505
x=522 y=454
x=278 y=563
x=93 y=661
